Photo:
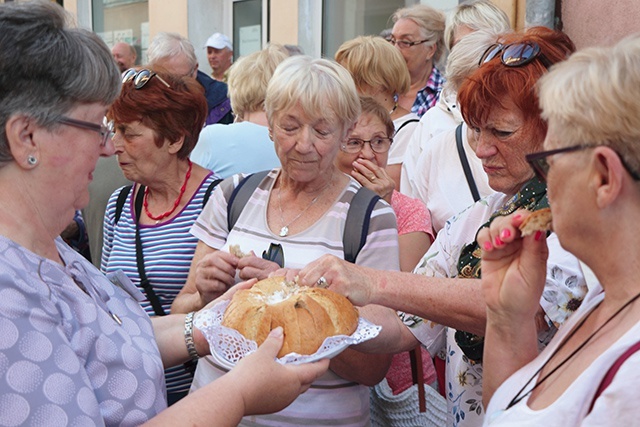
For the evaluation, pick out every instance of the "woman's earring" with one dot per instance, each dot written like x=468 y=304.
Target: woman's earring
x=32 y=160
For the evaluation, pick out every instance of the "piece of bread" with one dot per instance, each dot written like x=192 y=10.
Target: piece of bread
x=539 y=220
x=307 y=315
x=235 y=250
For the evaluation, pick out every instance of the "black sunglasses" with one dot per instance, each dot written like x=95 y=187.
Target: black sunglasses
x=140 y=77
x=515 y=54
x=540 y=165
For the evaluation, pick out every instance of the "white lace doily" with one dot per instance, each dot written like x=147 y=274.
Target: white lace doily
x=228 y=346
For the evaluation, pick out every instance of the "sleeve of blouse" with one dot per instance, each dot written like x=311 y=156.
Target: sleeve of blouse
x=381 y=248
x=41 y=370
x=211 y=226
x=108 y=228
x=413 y=216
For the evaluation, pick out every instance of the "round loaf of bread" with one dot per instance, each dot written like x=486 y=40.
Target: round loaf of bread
x=307 y=315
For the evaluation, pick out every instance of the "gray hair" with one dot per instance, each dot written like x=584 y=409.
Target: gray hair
x=169 y=45
x=476 y=15
x=431 y=23
x=48 y=67
x=592 y=98
x=321 y=87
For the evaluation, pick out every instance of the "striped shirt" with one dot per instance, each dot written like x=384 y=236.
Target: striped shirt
x=168 y=249
x=331 y=400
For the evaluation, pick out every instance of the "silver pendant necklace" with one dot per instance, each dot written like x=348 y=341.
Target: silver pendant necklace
x=284 y=231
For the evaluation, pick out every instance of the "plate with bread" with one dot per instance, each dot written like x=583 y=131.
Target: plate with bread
x=318 y=323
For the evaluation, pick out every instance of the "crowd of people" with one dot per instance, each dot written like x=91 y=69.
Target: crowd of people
x=144 y=191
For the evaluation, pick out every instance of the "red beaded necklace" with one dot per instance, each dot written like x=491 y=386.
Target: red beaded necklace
x=145 y=202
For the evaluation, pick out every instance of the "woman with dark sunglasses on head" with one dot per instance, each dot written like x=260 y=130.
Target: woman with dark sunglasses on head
x=499 y=103
x=77 y=349
x=157 y=119
x=591 y=165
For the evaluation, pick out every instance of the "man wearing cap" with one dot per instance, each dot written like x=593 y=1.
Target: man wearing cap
x=220 y=55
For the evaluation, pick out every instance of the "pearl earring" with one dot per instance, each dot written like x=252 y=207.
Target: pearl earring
x=32 y=160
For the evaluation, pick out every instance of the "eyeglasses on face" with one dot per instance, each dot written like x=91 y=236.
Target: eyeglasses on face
x=515 y=54
x=540 y=165
x=140 y=77
x=378 y=145
x=405 y=44
x=105 y=129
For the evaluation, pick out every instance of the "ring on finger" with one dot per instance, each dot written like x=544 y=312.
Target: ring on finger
x=322 y=282
x=373 y=178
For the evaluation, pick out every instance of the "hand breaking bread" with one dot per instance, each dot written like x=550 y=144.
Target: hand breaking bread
x=307 y=315
x=539 y=220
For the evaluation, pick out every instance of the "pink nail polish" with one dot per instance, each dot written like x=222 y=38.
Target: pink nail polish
x=498 y=242
x=488 y=246
x=506 y=233
x=538 y=235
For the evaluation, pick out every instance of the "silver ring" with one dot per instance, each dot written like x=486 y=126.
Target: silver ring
x=322 y=282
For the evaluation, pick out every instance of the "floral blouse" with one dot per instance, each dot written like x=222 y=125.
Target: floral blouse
x=564 y=290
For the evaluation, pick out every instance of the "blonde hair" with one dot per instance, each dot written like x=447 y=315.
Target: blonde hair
x=477 y=15
x=320 y=87
x=465 y=55
x=249 y=77
x=374 y=62
x=592 y=98
x=431 y=22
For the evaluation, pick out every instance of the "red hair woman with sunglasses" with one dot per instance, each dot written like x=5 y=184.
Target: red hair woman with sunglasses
x=157 y=120
x=498 y=101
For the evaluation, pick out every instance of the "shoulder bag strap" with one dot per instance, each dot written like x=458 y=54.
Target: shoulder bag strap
x=406 y=123
x=613 y=370
x=122 y=198
x=144 y=281
x=210 y=189
x=241 y=195
x=356 y=226
x=465 y=165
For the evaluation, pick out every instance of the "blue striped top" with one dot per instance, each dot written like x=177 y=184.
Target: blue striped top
x=168 y=249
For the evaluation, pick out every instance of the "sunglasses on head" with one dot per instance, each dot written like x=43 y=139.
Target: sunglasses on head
x=515 y=54
x=140 y=77
x=540 y=165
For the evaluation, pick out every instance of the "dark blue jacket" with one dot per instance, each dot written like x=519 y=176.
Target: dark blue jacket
x=217 y=100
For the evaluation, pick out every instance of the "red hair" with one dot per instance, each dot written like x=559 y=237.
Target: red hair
x=172 y=112
x=493 y=83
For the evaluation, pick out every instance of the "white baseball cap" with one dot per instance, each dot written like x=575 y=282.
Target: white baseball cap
x=219 y=41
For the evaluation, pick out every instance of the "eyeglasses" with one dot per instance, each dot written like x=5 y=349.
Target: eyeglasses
x=515 y=54
x=140 y=78
x=540 y=165
x=378 y=145
x=105 y=129
x=405 y=44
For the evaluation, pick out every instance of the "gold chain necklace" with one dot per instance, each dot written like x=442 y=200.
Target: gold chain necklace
x=284 y=231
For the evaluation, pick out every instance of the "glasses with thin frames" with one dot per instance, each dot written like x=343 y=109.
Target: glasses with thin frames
x=140 y=77
x=105 y=129
x=515 y=54
x=378 y=145
x=405 y=44
x=540 y=165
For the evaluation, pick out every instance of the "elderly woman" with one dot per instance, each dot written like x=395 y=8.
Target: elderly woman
x=223 y=148
x=591 y=163
x=417 y=33
x=76 y=348
x=433 y=169
x=380 y=72
x=499 y=103
x=473 y=15
x=294 y=215
x=368 y=148
x=157 y=119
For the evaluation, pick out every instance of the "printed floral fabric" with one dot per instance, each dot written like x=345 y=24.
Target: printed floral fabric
x=564 y=290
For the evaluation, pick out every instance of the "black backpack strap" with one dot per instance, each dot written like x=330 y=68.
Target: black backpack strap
x=210 y=189
x=122 y=198
x=406 y=123
x=465 y=165
x=356 y=226
x=144 y=280
x=241 y=195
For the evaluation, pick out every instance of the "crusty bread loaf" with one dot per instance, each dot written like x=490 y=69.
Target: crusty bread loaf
x=539 y=220
x=307 y=315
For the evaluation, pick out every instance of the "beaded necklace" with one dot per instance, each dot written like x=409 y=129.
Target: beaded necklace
x=145 y=202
